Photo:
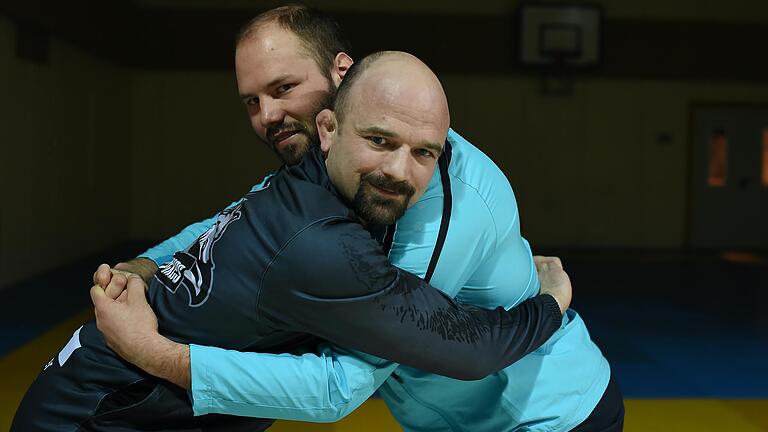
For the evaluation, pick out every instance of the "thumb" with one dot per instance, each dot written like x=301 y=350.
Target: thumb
x=99 y=297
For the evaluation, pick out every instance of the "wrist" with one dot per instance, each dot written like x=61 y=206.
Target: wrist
x=151 y=352
x=168 y=360
x=559 y=303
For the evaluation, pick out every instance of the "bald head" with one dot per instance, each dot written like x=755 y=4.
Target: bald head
x=385 y=134
x=392 y=76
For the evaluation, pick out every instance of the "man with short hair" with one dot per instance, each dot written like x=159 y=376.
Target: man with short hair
x=462 y=236
x=292 y=262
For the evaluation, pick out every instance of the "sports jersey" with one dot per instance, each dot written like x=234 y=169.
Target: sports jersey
x=463 y=235
x=288 y=264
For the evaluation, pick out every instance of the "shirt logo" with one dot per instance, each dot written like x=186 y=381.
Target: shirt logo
x=193 y=268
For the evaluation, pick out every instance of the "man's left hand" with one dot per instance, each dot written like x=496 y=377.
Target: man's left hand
x=129 y=326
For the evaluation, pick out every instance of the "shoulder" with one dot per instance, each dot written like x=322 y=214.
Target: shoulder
x=475 y=169
x=475 y=175
x=299 y=199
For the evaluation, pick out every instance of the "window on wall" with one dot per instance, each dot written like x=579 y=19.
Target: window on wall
x=764 y=168
x=718 y=158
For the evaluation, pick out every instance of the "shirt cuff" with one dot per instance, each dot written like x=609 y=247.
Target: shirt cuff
x=200 y=393
x=551 y=306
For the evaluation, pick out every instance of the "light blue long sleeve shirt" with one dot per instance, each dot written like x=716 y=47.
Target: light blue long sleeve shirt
x=485 y=262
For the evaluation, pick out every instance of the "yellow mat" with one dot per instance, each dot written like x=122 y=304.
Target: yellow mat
x=20 y=367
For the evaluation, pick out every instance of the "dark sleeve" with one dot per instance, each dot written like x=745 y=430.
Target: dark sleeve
x=333 y=280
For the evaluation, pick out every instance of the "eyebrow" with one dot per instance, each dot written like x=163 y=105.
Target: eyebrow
x=274 y=82
x=279 y=79
x=376 y=130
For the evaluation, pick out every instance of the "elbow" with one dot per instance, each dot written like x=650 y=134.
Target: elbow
x=474 y=370
x=337 y=413
x=331 y=415
x=325 y=418
x=480 y=371
x=337 y=416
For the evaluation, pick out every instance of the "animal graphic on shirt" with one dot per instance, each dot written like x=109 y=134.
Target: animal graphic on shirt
x=193 y=267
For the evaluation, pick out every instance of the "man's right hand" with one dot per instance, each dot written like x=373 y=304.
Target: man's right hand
x=142 y=267
x=554 y=280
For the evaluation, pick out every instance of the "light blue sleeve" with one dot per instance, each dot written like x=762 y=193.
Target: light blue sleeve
x=163 y=252
x=315 y=387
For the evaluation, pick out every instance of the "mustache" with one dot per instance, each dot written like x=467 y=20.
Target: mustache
x=399 y=187
x=274 y=131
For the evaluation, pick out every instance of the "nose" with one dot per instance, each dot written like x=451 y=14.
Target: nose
x=396 y=165
x=271 y=113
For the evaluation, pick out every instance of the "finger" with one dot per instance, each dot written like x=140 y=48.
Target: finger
x=123 y=297
x=539 y=261
x=556 y=261
x=99 y=297
x=543 y=259
x=103 y=275
x=135 y=289
x=116 y=286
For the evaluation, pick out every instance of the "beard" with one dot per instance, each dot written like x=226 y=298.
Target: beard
x=377 y=209
x=293 y=153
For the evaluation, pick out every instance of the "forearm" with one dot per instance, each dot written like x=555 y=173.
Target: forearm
x=422 y=328
x=322 y=387
x=393 y=314
x=476 y=342
x=166 y=359
x=162 y=253
x=141 y=266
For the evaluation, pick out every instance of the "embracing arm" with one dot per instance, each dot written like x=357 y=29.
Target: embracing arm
x=316 y=387
x=348 y=293
x=329 y=385
x=322 y=387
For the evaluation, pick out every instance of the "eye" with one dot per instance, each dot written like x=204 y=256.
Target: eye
x=377 y=140
x=284 y=88
x=425 y=153
x=252 y=101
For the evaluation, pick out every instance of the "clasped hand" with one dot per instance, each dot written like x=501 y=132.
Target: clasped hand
x=122 y=313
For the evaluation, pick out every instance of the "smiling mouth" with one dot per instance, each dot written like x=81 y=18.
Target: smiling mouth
x=282 y=136
x=386 y=192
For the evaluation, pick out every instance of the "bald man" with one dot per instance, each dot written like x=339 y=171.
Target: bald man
x=296 y=261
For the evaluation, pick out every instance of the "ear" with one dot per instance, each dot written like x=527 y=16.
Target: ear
x=341 y=65
x=326 y=129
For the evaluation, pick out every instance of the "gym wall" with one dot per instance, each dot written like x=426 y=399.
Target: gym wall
x=129 y=131
x=65 y=165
